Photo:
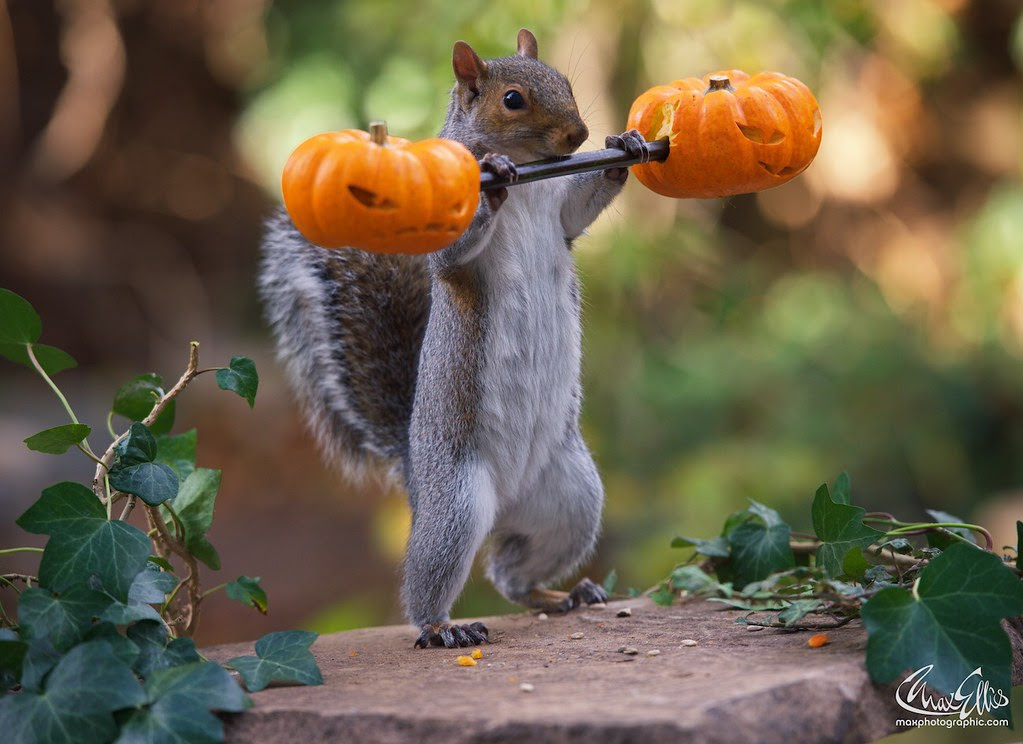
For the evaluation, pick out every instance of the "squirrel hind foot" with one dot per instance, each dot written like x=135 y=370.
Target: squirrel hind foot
x=452 y=636
x=586 y=592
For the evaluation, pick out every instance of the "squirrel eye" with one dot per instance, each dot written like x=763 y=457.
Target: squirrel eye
x=513 y=100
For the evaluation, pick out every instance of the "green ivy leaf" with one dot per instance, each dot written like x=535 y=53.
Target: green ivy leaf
x=125 y=651
x=247 y=590
x=135 y=400
x=178 y=452
x=664 y=596
x=12 y=653
x=50 y=358
x=799 y=609
x=941 y=538
x=40 y=658
x=62 y=619
x=610 y=582
x=714 y=548
x=135 y=471
x=59 y=506
x=759 y=546
x=950 y=621
x=151 y=586
x=841 y=492
x=280 y=657
x=19 y=322
x=692 y=579
x=157 y=650
x=20 y=327
x=840 y=529
x=83 y=543
x=194 y=507
x=240 y=377
x=57 y=440
x=80 y=694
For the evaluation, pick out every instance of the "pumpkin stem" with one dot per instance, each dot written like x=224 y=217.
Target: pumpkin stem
x=719 y=82
x=378 y=132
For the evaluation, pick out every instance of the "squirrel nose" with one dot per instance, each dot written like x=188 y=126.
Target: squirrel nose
x=576 y=135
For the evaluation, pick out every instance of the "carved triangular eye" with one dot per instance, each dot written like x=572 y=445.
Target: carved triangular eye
x=755 y=134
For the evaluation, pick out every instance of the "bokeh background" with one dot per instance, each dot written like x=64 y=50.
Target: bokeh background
x=866 y=317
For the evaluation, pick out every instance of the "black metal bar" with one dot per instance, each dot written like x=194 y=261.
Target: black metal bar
x=581 y=162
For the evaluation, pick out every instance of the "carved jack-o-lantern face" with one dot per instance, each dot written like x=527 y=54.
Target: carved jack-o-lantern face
x=379 y=193
x=730 y=133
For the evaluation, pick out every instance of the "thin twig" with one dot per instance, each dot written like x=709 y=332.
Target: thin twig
x=108 y=457
x=127 y=508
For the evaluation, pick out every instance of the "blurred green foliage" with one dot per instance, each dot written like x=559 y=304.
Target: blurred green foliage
x=867 y=317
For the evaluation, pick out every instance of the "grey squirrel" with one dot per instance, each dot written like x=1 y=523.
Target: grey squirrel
x=459 y=371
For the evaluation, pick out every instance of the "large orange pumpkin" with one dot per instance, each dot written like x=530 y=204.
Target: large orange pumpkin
x=379 y=193
x=729 y=133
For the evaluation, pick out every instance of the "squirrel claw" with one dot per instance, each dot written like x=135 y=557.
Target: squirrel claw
x=501 y=166
x=587 y=592
x=632 y=142
x=452 y=636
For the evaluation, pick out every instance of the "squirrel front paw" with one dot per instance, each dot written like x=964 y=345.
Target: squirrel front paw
x=504 y=168
x=634 y=145
x=453 y=636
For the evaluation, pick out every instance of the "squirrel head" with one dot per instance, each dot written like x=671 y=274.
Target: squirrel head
x=517 y=106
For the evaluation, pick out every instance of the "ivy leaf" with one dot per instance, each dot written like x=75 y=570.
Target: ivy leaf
x=663 y=596
x=135 y=400
x=179 y=700
x=178 y=452
x=83 y=543
x=57 y=440
x=157 y=650
x=610 y=582
x=40 y=658
x=840 y=528
x=126 y=651
x=20 y=328
x=841 y=492
x=714 y=548
x=796 y=611
x=151 y=586
x=692 y=579
x=240 y=377
x=247 y=590
x=64 y=619
x=135 y=471
x=759 y=546
x=58 y=506
x=951 y=620
x=19 y=322
x=12 y=653
x=940 y=537
x=280 y=657
x=194 y=507
x=80 y=694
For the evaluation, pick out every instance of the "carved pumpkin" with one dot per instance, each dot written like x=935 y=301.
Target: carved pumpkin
x=729 y=133
x=379 y=193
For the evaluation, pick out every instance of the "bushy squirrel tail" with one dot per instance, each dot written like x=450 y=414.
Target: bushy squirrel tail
x=349 y=326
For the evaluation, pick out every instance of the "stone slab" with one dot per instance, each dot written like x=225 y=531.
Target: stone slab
x=733 y=685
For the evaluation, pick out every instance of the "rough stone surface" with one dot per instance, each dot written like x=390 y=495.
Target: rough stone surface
x=733 y=686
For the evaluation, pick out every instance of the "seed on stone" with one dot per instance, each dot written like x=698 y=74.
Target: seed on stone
x=576 y=636
x=689 y=642
x=653 y=652
x=526 y=687
x=542 y=616
x=754 y=628
x=598 y=606
x=625 y=612
x=630 y=650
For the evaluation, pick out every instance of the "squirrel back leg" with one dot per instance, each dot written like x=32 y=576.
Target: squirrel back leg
x=454 y=511
x=548 y=534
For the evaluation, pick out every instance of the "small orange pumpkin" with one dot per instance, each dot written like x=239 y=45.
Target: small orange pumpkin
x=729 y=133
x=382 y=194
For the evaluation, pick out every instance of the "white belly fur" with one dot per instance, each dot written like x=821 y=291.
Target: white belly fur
x=532 y=348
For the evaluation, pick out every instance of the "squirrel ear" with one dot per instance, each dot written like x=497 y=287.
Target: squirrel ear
x=468 y=66
x=527 y=43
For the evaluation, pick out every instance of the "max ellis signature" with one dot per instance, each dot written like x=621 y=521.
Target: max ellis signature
x=974 y=695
